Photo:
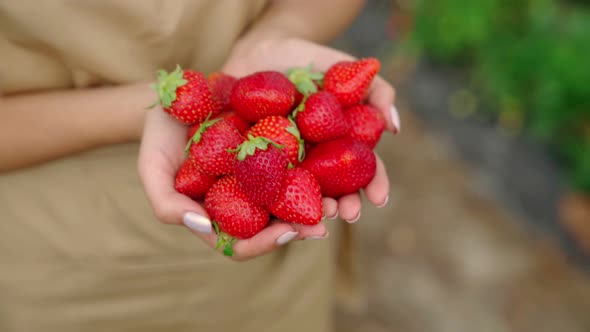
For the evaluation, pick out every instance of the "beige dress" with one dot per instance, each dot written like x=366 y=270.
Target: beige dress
x=80 y=249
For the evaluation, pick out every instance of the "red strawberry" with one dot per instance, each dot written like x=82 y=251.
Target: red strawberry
x=230 y=117
x=300 y=200
x=321 y=118
x=192 y=182
x=233 y=213
x=283 y=132
x=366 y=124
x=185 y=95
x=341 y=166
x=262 y=94
x=261 y=169
x=221 y=85
x=349 y=81
x=240 y=123
x=209 y=147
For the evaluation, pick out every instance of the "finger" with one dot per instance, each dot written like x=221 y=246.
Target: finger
x=377 y=191
x=330 y=207
x=157 y=168
x=312 y=232
x=273 y=236
x=382 y=96
x=349 y=207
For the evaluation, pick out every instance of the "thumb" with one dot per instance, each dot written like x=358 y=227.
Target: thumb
x=171 y=207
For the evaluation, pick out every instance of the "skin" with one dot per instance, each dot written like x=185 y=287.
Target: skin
x=288 y=34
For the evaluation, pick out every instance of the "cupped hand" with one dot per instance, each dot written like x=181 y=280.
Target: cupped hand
x=282 y=54
x=161 y=154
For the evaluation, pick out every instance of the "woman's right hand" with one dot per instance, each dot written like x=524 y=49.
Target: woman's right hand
x=161 y=154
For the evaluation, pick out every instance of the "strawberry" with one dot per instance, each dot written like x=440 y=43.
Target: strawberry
x=230 y=117
x=341 y=166
x=192 y=182
x=261 y=169
x=221 y=85
x=321 y=118
x=233 y=118
x=366 y=124
x=300 y=199
x=185 y=95
x=210 y=145
x=262 y=94
x=281 y=131
x=349 y=81
x=233 y=214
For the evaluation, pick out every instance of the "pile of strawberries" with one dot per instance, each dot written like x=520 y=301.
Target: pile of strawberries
x=272 y=143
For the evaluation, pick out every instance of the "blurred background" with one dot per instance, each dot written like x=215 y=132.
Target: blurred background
x=488 y=225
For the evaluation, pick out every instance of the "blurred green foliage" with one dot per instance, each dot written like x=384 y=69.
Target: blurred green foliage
x=530 y=63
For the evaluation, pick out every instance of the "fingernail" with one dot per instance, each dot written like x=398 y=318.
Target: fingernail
x=318 y=237
x=355 y=219
x=286 y=237
x=384 y=202
x=395 y=119
x=334 y=216
x=197 y=222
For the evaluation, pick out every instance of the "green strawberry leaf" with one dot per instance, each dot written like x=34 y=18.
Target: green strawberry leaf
x=199 y=133
x=304 y=79
x=166 y=86
x=188 y=147
x=301 y=151
x=228 y=250
x=295 y=132
x=299 y=108
x=248 y=147
x=224 y=240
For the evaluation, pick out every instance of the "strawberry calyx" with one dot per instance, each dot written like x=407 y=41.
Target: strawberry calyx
x=305 y=79
x=249 y=146
x=295 y=132
x=166 y=86
x=199 y=133
x=224 y=241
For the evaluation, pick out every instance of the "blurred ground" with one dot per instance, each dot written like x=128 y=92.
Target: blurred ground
x=445 y=255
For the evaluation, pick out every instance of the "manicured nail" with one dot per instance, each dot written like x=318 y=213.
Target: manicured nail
x=333 y=217
x=197 y=222
x=318 y=237
x=355 y=219
x=395 y=119
x=384 y=202
x=286 y=237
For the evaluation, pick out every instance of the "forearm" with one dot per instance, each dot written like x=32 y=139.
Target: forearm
x=315 y=20
x=35 y=128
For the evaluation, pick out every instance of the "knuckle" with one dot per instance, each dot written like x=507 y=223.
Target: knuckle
x=161 y=213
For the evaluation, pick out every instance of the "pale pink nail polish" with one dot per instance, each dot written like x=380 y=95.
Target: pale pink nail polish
x=395 y=121
x=355 y=219
x=197 y=222
x=286 y=237
x=384 y=202
x=318 y=237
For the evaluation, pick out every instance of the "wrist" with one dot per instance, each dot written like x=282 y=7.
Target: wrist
x=129 y=116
